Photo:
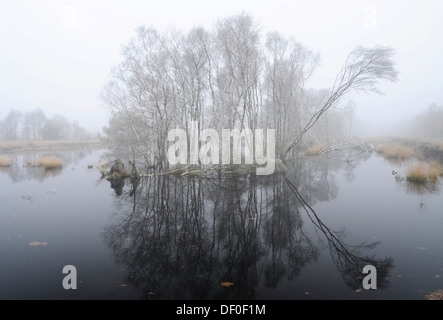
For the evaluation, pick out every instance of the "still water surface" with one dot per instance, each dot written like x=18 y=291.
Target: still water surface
x=303 y=235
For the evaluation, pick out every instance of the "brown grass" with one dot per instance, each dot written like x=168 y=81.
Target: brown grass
x=417 y=173
x=50 y=163
x=433 y=174
x=395 y=151
x=434 y=171
x=18 y=146
x=5 y=162
x=314 y=150
x=422 y=172
x=436 y=295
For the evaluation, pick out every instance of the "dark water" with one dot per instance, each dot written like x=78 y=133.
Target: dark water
x=305 y=234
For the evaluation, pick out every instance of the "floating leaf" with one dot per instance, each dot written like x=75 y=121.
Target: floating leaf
x=37 y=243
x=151 y=293
x=226 y=284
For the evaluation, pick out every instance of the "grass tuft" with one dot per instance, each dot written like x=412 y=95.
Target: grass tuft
x=5 y=162
x=417 y=173
x=434 y=171
x=421 y=172
x=50 y=163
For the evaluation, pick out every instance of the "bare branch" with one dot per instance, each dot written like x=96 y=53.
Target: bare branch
x=362 y=71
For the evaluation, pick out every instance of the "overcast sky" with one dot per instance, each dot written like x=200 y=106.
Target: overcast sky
x=57 y=54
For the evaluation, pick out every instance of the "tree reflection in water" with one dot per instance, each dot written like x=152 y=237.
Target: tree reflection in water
x=180 y=238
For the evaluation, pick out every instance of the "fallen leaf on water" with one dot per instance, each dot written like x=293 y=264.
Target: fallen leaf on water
x=358 y=290
x=123 y=285
x=37 y=243
x=151 y=293
x=226 y=284
x=307 y=293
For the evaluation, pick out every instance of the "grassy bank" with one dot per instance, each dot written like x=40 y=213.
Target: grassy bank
x=44 y=145
x=424 y=157
x=403 y=148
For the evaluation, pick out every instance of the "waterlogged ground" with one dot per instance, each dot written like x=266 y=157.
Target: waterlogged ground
x=305 y=234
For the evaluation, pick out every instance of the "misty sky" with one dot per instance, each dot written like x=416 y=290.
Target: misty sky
x=57 y=55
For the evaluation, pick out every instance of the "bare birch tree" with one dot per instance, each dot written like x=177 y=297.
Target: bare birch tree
x=226 y=78
x=289 y=65
x=362 y=71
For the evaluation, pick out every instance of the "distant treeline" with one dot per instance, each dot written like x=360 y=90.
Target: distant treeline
x=429 y=124
x=34 y=125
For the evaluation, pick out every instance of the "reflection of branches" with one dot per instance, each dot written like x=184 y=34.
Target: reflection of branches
x=350 y=153
x=314 y=178
x=347 y=259
x=289 y=247
x=421 y=188
x=181 y=237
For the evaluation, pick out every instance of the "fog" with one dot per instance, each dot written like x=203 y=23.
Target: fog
x=221 y=149
x=58 y=55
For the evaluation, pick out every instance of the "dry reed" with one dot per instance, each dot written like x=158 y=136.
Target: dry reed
x=422 y=172
x=5 y=162
x=50 y=163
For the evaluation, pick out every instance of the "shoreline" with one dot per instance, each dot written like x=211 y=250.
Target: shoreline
x=10 y=147
x=426 y=149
